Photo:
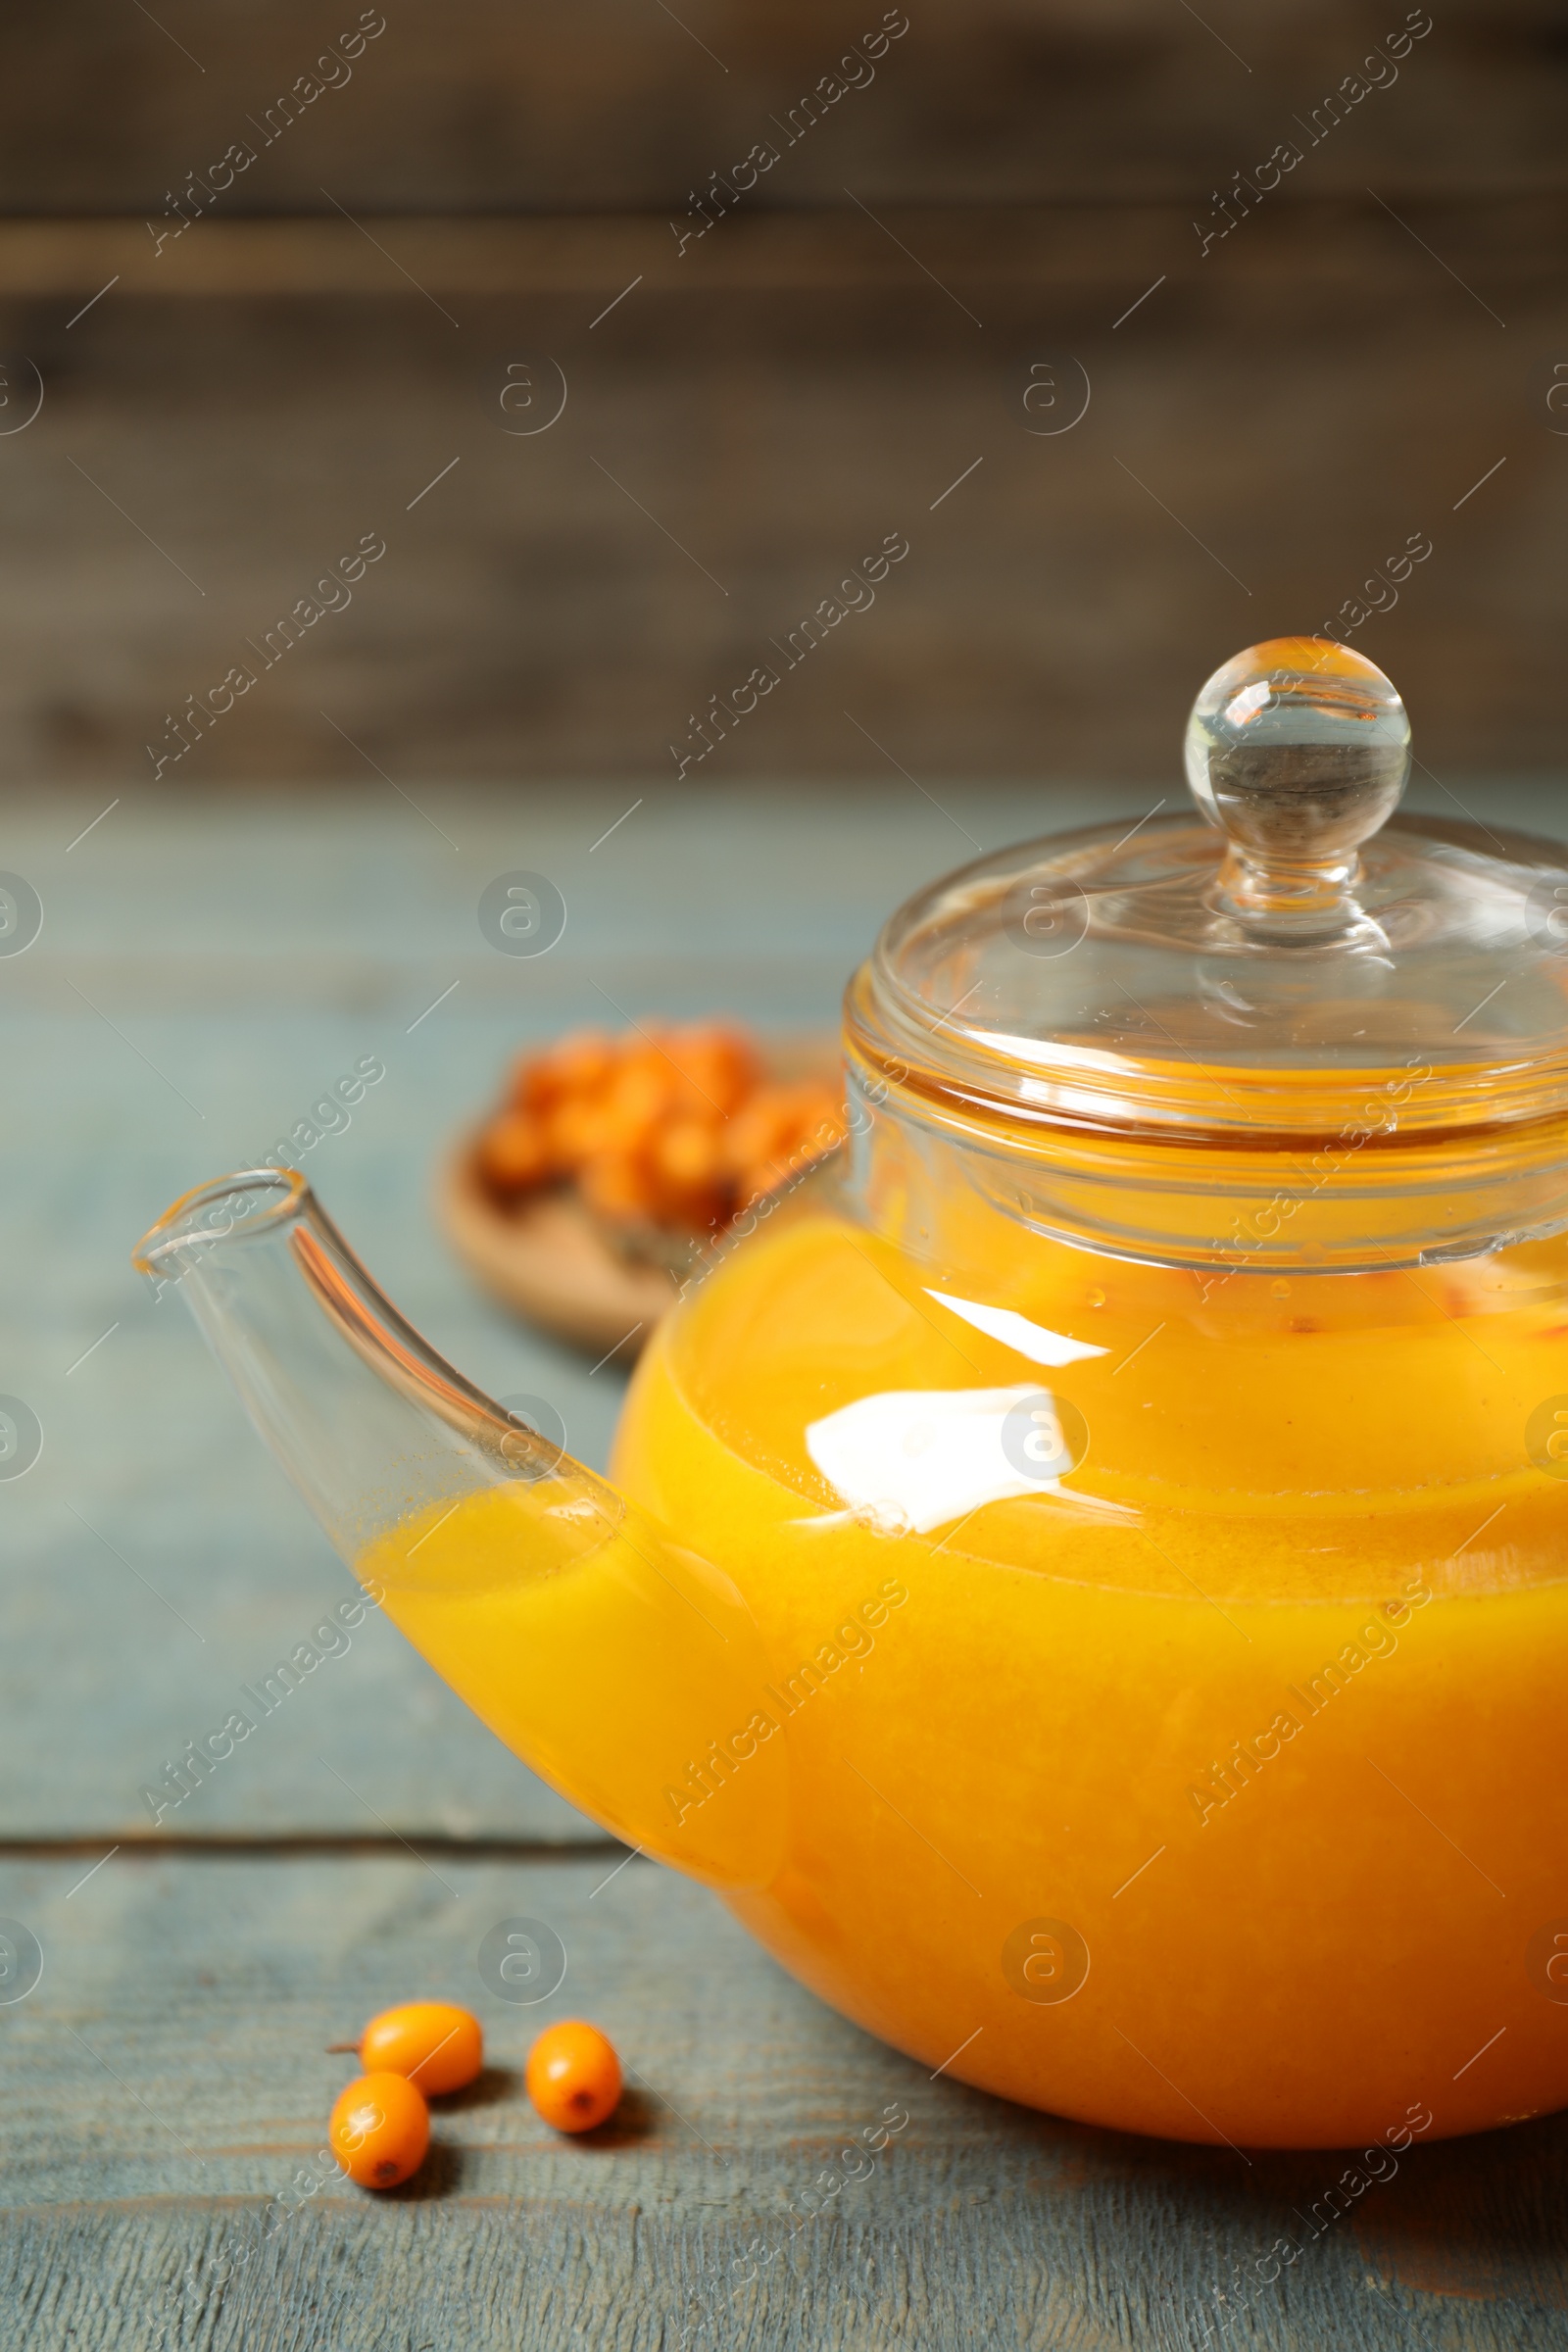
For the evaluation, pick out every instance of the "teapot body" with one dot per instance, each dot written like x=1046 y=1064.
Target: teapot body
x=1089 y=1577
x=1169 y=1663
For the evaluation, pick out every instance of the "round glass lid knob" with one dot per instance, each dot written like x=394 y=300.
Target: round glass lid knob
x=1297 y=750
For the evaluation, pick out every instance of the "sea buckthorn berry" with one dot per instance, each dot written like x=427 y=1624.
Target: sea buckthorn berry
x=675 y=1128
x=436 y=2044
x=614 y=1183
x=379 y=2131
x=511 y=1152
x=718 y=1067
x=574 y=2076
x=574 y=1065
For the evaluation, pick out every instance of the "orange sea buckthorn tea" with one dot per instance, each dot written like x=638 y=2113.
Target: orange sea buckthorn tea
x=1089 y=1575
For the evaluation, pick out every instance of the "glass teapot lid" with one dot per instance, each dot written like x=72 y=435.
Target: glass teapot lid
x=1265 y=963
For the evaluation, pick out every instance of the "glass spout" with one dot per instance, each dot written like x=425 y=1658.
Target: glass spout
x=601 y=1650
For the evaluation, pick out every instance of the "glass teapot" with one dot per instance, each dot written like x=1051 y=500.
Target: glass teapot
x=1087 y=1579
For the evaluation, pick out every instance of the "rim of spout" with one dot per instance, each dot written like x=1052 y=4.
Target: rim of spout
x=201 y=1216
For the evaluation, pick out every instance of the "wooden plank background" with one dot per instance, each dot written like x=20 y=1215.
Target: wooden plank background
x=617 y=105
x=1276 y=418
x=210 y=1985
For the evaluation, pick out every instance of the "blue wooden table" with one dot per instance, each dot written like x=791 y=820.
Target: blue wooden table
x=203 y=975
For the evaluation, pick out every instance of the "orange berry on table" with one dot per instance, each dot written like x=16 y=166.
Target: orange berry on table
x=575 y=1129
x=574 y=2076
x=763 y=1131
x=511 y=1152
x=685 y=1153
x=670 y=1126
x=781 y=1131
x=752 y=1185
x=614 y=1183
x=754 y=1133
x=717 y=1069
x=687 y=1181
x=575 y=1065
x=641 y=1093
x=379 y=2131
x=435 y=2045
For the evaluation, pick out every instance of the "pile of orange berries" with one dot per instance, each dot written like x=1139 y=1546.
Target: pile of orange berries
x=677 y=1128
x=380 y=2127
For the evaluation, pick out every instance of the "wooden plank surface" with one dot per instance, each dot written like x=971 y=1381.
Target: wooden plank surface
x=165 y=2085
x=209 y=1987
x=1273 y=409
x=1334 y=245
x=619 y=105
x=1262 y=432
